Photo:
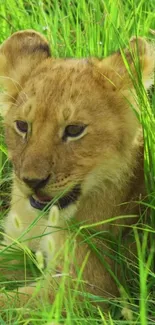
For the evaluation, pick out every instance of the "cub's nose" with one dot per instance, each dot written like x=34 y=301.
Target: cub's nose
x=36 y=183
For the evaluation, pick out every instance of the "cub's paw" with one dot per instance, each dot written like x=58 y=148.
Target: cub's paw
x=50 y=240
x=47 y=245
x=54 y=216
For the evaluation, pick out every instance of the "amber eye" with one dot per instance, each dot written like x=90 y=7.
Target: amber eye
x=22 y=126
x=73 y=131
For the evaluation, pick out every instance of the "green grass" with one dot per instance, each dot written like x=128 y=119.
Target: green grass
x=86 y=28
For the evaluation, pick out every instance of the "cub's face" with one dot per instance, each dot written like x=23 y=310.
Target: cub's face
x=63 y=128
x=68 y=130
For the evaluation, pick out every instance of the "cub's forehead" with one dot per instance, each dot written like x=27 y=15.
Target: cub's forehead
x=62 y=87
x=57 y=77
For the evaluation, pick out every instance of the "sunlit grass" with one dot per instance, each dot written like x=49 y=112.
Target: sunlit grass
x=83 y=29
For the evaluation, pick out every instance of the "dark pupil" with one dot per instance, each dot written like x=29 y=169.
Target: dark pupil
x=22 y=126
x=74 y=130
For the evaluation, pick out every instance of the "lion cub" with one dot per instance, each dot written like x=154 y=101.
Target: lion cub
x=75 y=144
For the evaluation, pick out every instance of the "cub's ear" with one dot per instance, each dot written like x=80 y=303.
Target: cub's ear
x=19 y=55
x=122 y=69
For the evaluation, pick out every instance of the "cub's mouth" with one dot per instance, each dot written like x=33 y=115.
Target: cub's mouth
x=41 y=202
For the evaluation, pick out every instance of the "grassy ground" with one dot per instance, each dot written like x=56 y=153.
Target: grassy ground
x=83 y=28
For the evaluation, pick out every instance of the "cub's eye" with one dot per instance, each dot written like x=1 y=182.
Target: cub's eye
x=74 y=131
x=22 y=126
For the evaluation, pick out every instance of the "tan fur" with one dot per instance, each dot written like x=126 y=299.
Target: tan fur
x=107 y=160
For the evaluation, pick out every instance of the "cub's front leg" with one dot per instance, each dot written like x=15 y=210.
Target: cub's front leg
x=23 y=228
x=26 y=227
x=66 y=256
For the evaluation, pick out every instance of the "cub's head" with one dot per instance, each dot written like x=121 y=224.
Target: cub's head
x=69 y=123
